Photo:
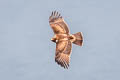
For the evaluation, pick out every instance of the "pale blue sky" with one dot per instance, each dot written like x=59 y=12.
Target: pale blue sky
x=26 y=52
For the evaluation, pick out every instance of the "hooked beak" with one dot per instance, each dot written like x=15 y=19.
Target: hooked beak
x=53 y=40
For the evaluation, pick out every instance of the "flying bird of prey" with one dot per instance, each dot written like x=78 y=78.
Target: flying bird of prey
x=63 y=39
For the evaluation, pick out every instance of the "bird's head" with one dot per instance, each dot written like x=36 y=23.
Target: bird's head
x=54 y=40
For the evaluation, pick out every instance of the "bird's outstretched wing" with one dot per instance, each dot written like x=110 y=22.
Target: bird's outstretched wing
x=63 y=50
x=58 y=24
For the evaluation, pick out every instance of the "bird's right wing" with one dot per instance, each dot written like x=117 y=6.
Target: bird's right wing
x=58 y=24
x=63 y=50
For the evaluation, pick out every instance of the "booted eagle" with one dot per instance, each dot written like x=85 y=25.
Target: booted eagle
x=63 y=39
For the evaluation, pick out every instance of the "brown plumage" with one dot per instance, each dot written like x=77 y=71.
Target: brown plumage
x=63 y=39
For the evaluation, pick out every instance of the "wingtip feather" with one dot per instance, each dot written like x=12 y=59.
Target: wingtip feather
x=63 y=60
x=54 y=15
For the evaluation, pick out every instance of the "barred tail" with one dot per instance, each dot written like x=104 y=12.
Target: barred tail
x=79 y=38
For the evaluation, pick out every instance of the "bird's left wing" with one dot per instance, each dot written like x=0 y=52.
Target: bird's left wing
x=63 y=50
x=58 y=24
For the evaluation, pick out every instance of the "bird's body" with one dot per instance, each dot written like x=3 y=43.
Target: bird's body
x=59 y=37
x=63 y=39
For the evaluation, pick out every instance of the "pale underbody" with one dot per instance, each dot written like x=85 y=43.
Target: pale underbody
x=61 y=37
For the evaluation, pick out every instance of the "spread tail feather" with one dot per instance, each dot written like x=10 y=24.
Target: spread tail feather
x=78 y=38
